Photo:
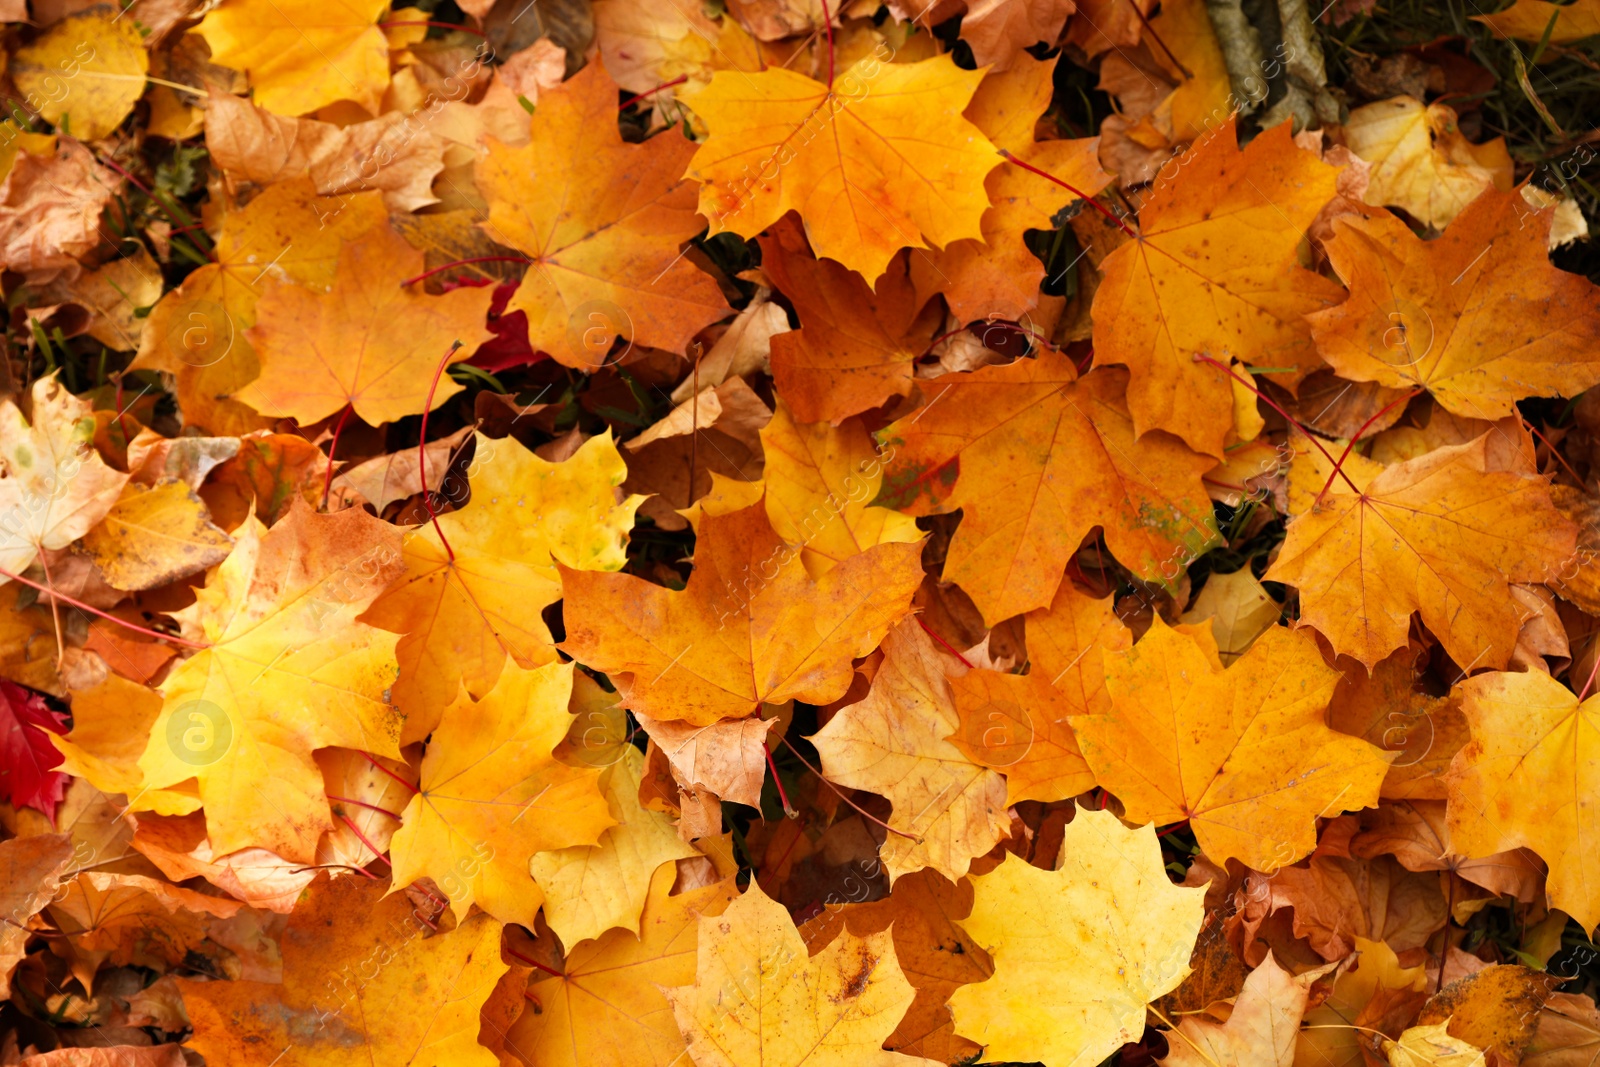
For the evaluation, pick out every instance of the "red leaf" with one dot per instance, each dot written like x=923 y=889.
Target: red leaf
x=27 y=758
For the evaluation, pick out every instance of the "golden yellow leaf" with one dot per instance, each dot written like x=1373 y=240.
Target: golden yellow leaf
x=491 y=796
x=1244 y=754
x=289 y=670
x=154 y=536
x=751 y=628
x=757 y=999
x=464 y=617
x=1530 y=777
x=101 y=60
x=947 y=809
x=1079 y=951
x=302 y=54
x=364 y=982
x=879 y=161
x=607 y=1009
x=1420 y=161
x=366 y=339
x=604 y=222
x=819 y=492
x=1239 y=609
x=589 y=889
x=1431 y=1046
x=110 y=724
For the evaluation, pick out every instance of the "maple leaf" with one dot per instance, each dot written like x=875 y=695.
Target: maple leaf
x=1528 y=778
x=302 y=54
x=589 y=889
x=464 y=612
x=820 y=480
x=1386 y=708
x=1420 y=160
x=1038 y=457
x=924 y=911
x=606 y=1008
x=28 y=759
x=998 y=30
x=363 y=983
x=1130 y=931
x=110 y=725
x=997 y=276
x=947 y=809
x=488 y=768
x=1261 y=1031
x=1240 y=611
x=155 y=535
x=198 y=331
x=1442 y=535
x=758 y=999
x=751 y=627
x=1479 y=317
x=1244 y=754
x=726 y=758
x=367 y=341
x=366 y=795
x=1370 y=995
x=602 y=265
x=288 y=670
x=1215 y=272
x=856 y=344
x=1020 y=725
x=880 y=160
x=179 y=848
x=55 y=487
x=29 y=868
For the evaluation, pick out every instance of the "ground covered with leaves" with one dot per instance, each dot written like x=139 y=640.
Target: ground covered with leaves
x=641 y=533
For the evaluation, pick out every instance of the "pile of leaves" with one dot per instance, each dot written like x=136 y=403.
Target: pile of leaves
x=638 y=533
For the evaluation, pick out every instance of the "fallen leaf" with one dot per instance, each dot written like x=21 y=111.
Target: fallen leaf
x=1130 y=932
x=1053 y=455
x=1497 y=1009
x=1215 y=272
x=1260 y=1032
x=154 y=536
x=727 y=758
x=28 y=759
x=1431 y=1046
x=1240 y=611
x=1531 y=20
x=489 y=766
x=880 y=160
x=758 y=999
x=179 y=848
x=946 y=808
x=998 y=30
x=302 y=54
x=31 y=866
x=736 y=638
x=1244 y=754
x=1420 y=161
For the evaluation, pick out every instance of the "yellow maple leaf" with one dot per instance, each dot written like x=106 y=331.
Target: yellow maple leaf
x=606 y=1008
x=589 y=889
x=1443 y=535
x=103 y=57
x=880 y=160
x=1039 y=457
x=1215 y=272
x=155 y=535
x=1244 y=754
x=1439 y=315
x=604 y=222
x=1530 y=777
x=820 y=482
x=55 y=487
x=1420 y=160
x=288 y=670
x=947 y=809
x=365 y=339
x=758 y=999
x=492 y=795
x=1080 y=950
x=364 y=982
x=197 y=332
x=751 y=627
x=463 y=617
x=303 y=54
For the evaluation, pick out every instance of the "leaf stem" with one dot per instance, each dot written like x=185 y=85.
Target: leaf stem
x=363 y=804
x=462 y=263
x=948 y=647
x=1338 y=467
x=679 y=80
x=373 y=760
x=533 y=962
x=333 y=446
x=422 y=450
x=364 y=840
x=827 y=23
x=863 y=812
x=788 y=808
x=102 y=614
x=1073 y=189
